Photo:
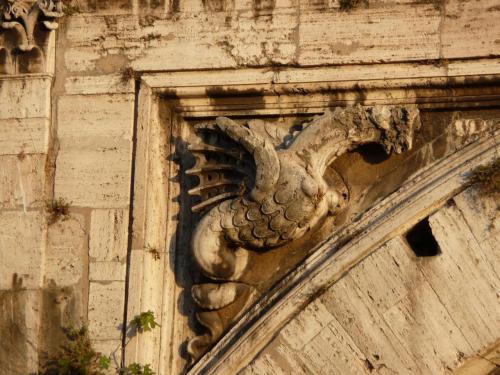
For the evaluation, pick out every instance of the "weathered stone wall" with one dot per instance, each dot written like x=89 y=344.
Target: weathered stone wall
x=399 y=313
x=71 y=132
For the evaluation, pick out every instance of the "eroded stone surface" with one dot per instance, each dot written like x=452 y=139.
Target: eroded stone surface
x=24 y=136
x=22 y=236
x=34 y=101
x=94 y=160
x=105 y=310
x=66 y=252
x=378 y=317
x=105 y=48
x=108 y=235
x=22 y=181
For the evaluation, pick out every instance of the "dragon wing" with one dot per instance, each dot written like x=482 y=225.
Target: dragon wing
x=223 y=169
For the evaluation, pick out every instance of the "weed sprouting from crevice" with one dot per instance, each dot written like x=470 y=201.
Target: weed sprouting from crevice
x=127 y=74
x=155 y=253
x=76 y=356
x=487 y=178
x=348 y=5
x=57 y=209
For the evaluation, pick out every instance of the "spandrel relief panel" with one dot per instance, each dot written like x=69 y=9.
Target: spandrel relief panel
x=260 y=189
x=255 y=191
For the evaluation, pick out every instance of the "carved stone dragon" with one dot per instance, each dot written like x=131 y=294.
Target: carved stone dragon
x=286 y=197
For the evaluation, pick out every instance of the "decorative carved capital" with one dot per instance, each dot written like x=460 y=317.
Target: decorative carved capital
x=24 y=19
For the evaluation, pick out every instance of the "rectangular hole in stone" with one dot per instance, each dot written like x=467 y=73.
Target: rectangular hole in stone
x=421 y=240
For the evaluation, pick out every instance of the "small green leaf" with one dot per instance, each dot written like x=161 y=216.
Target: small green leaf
x=63 y=362
x=104 y=362
x=134 y=369
x=147 y=370
x=145 y=321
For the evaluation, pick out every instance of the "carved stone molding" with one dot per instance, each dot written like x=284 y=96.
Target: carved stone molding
x=26 y=26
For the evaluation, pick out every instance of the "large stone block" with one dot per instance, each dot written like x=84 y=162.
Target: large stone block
x=19 y=330
x=66 y=252
x=91 y=178
x=81 y=117
x=471 y=28
x=21 y=248
x=102 y=84
x=25 y=97
x=94 y=161
x=22 y=181
x=106 y=307
x=369 y=35
x=24 y=136
x=108 y=235
x=107 y=271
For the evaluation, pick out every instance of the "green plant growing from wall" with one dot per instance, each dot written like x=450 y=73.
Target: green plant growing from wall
x=144 y=322
x=78 y=357
x=136 y=369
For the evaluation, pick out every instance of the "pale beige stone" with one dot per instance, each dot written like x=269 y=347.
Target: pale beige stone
x=21 y=248
x=25 y=97
x=107 y=271
x=81 y=117
x=287 y=34
x=461 y=275
x=370 y=35
x=108 y=235
x=309 y=323
x=24 y=136
x=22 y=181
x=369 y=331
x=482 y=215
x=66 y=252
x=94 y=160
x=19 y=331
x=102 y=84
x=470 y=28
x=111 y=349
x=307 y=340
x=105 y=310
x=95 y=178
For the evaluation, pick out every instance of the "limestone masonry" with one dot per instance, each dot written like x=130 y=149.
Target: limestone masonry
x=249 y=187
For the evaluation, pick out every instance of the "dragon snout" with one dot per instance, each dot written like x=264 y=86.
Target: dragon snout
x=333 y=201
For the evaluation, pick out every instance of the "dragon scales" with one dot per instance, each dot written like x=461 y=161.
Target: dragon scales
x=288 y=196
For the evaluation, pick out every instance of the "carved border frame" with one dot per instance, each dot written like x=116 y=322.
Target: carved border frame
x=151 y=284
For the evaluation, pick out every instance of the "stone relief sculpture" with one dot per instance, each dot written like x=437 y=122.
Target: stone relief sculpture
x=281 y=196
x=23 y=17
